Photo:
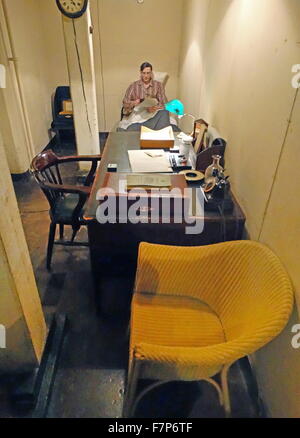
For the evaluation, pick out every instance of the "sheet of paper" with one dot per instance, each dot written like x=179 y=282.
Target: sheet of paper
x=148 y=180
x=147 y=103
x=142 y=161
x=154 y=154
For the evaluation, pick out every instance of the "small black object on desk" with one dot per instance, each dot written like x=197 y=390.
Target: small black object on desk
x=112 y=167
x=177 y=163
x=219 y=198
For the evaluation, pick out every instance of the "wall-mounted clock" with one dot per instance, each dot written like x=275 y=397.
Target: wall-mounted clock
x=72 y=8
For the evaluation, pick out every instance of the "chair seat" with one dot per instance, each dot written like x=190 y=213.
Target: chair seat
x=64 y=208
x=173 y=321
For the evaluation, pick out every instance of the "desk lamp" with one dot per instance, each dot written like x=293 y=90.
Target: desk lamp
x=175 y=106
x=186 y=120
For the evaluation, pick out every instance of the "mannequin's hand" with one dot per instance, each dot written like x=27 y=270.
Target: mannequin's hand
x=136 y=102
x=152 y=109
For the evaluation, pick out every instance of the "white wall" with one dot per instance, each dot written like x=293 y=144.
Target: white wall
x=248 y=52
x=128 y=34
x=28 y=42
x=192 y=53
x=51 y=22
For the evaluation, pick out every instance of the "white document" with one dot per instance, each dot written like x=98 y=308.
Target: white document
x=149 y=180
x=147 y=103
x=140 y=114
x=144 y=161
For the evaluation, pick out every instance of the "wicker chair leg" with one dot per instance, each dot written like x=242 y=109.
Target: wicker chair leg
x=145 y=391
x=218 y=388
x=131 y=388
x=224 y=383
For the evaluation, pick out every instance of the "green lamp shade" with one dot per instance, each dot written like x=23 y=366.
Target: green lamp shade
x=175 y=106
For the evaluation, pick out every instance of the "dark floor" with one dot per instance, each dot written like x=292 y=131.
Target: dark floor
x=92 y=367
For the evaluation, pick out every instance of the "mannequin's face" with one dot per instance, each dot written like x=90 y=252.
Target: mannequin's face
x=146 y=75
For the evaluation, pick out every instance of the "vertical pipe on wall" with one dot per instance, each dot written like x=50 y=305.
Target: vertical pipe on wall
x=16 y=78
x=101 y=65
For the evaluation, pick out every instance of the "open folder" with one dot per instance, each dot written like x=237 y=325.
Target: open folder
x=149 y=160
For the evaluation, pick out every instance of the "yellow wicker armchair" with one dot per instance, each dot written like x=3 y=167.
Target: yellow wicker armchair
x=196 y=310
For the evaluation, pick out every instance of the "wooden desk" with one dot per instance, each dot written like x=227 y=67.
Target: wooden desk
x=114 y=247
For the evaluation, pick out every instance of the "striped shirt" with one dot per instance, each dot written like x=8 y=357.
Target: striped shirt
x=137 y=90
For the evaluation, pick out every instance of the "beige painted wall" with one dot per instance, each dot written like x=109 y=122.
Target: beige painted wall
x=51 y=21
x=28 y=41
x=192 y=53
x=131 y=33
x=248 y=52
x=281 y=232
x=12 y=123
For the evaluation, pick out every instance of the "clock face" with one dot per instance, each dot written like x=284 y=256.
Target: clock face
x=72 y=8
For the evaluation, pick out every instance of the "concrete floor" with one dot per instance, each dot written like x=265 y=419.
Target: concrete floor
x=91 y=373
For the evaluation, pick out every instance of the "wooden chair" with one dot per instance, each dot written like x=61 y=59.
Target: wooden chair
x=66 y=201
x=61 y=122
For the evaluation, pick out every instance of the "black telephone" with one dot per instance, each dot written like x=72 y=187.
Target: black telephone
x=217 y=193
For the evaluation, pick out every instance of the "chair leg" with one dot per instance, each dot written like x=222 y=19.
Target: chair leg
x=217 y=387
x=58 y=139
x=51 y=237
x=131 y=387
x=61 y=231
x=224 y=383
x=145 y=391
x=75 y=229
